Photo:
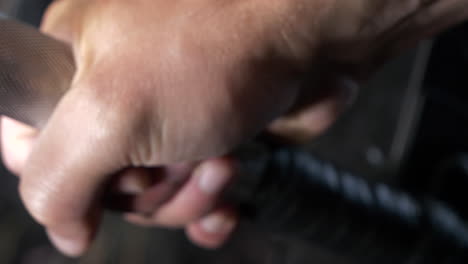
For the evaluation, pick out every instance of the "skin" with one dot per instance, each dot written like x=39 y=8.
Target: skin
x=166 y=89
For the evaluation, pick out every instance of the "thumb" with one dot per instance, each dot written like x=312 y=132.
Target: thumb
x=67 y=169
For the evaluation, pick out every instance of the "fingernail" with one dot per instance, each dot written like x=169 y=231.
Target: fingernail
x=69 y=247
x=212 y=178
x=217 y=223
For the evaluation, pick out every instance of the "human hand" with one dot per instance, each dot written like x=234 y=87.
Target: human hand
x=175 y=82
x=181 y=195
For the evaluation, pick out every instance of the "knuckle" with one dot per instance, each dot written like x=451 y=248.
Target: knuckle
x=105 y=87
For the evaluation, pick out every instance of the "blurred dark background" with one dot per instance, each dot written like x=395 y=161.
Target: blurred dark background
x=407 y=128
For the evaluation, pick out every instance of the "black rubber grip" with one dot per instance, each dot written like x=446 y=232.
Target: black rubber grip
x=305 y=198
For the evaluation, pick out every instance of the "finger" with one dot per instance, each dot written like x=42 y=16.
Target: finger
x=213 y=230
x=125 y=186
x=17 y=140
x=139 y=219
x=133 y=181
x=314 y=118
x=198 y=196
x=210 y=231
x=68 y=166
x=143 y=190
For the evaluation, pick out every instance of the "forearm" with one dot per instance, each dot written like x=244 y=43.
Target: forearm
x=377 y=30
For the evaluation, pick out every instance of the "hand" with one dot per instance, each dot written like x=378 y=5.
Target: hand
x=173 y=82
x=171 y=196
